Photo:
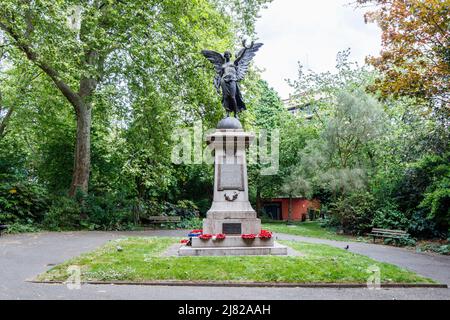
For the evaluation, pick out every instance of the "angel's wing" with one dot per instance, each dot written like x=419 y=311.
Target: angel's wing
x=217 y=60
x=243 y=59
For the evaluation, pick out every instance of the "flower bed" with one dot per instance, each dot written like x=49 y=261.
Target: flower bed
x=248 y=236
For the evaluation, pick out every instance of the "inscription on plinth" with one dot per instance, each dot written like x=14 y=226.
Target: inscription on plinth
x=231 y=228
x=231 y=176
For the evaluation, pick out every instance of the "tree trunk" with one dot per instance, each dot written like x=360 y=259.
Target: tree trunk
x=82 y=157
x=4 y=122
x=290 y=210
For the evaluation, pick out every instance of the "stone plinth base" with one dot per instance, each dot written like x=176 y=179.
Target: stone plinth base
x=275 y=249
x=246 y=226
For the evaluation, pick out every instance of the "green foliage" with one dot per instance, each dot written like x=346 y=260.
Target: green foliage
x=435 y=247
x=185 y=209
x=353 y=213
x=420 y=225
x=64 y=214
x=22 y=202
x=319 y=91
x=389 y=217
x=191 y=223
x=425 y=184
x=143 y=59
x=107 y=212
x=22 y=228
x=403 y=242
x=381 y=162
x=357 y=120
x=397 y=153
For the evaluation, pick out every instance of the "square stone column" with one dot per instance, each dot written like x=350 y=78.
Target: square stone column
x=231 y=212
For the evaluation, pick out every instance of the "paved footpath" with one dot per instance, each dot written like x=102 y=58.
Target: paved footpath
x=24 y=256
x=434 y=266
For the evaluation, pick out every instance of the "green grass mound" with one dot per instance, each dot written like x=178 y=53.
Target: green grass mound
x=305 y=229
x=140 y=260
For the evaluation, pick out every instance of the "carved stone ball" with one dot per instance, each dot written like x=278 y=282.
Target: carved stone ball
x=229 y=123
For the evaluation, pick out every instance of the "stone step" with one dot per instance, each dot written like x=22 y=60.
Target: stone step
x=276 y=249
x=232 y=241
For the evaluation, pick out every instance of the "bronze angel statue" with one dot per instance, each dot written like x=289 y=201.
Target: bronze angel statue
x=228 y=74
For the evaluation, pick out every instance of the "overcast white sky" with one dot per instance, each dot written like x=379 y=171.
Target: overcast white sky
x=312 y=32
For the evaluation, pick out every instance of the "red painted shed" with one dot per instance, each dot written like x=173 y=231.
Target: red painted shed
x=278 y=208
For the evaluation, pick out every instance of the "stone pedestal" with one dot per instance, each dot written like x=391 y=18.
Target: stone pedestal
x=231 y=212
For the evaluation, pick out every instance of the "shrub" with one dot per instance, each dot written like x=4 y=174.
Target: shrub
x=404 y=242
x=22 y=202
x=184 y=208
x=422 y=226
x=21 y=228
x=389 y=217
x=425 y=184
x=353 y=213
x=107 y=212
x=436 y=247
x=192 y=223
x=437 y=201
x=64 y=214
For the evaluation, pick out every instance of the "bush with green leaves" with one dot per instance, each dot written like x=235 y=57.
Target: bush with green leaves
x=107 y=212
x=185 y=209
x=353 y=212
x=22 y=202
x=436 y=247
x=389 y=217
x=422 y=226
x=191 y=224
x=425 y=185
x=402 y=242
x=64 y=214
x=22 y=228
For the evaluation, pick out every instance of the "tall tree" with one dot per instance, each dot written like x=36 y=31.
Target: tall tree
x=266 y=114
x=415 y=58
x=84 y=45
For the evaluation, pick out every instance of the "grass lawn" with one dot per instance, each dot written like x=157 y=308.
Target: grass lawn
x=305 y=229
x=141 y=260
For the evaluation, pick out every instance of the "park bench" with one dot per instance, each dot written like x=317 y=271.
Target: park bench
x=386 y=233
x=161 y=219
x=2 y=228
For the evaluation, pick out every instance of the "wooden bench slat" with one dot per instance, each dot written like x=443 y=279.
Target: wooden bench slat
x=392 y=234
x=387 y=233
x=161 y=219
